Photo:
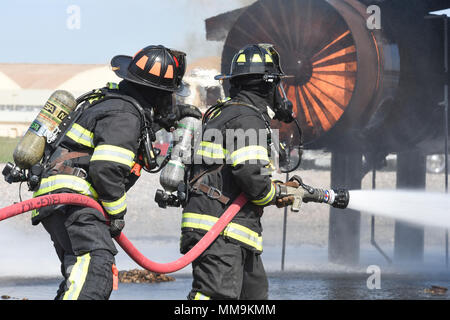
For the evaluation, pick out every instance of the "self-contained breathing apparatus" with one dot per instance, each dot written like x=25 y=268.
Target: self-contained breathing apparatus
x=262 y=60
x=175 y=177
x=32 y=172
x=43 y=130
x=153 y=66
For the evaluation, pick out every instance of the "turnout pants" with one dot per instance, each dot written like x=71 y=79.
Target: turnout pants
x=227 y=270
x=84 y=246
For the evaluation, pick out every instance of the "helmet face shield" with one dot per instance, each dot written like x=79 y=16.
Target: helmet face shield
x=180 y=63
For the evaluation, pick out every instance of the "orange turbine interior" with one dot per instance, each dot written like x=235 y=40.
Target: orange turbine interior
x=324 y=98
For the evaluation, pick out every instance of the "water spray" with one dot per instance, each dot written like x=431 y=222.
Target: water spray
x=405 y=205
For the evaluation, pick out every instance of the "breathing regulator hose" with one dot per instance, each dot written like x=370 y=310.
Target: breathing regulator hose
x=122 y=240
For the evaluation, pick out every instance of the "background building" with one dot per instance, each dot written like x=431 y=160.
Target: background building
x=24 y=88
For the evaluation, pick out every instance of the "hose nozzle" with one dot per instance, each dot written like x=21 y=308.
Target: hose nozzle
x=337 y=198
x=341 y=198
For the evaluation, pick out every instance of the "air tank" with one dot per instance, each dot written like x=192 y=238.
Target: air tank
x=30 y=148
x=183 y=138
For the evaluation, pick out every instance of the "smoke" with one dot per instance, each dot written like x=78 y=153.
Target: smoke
x=195 y=44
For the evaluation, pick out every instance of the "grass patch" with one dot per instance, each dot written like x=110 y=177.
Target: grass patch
x=7 y=146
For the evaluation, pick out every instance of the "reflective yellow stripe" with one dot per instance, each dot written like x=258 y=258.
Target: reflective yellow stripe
x=106 y=152
x=95 y=98
x=213 y=146
x=249 y=153
x=267 y=199
x=201 y=296
x=81 y=135
x=232 y=230
x=112 y=85
x=78 y=277
x=210 y=154
x=215 y=114
x=34 y=213
x=63 y=181
x=212 y=150
x=117 y=206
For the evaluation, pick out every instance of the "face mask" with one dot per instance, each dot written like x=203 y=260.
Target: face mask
x=283 y=107
x=162 y=106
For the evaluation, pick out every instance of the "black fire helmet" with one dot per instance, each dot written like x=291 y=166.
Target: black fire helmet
x=259 y=58
x=154 y=66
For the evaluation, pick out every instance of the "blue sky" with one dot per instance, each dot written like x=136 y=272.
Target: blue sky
x=37 y=31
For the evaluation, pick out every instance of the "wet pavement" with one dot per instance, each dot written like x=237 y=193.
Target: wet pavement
x=282 y=286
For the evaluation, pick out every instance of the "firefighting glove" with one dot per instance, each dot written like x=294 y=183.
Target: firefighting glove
x=284 y=201
x=170 y=116
x=187 y=110
x=116 y=226
x=166 y=121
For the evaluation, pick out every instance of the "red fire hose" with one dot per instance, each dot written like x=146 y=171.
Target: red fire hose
x=122 y=240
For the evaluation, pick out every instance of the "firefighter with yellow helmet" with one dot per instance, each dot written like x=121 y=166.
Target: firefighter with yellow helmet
x=231 y=268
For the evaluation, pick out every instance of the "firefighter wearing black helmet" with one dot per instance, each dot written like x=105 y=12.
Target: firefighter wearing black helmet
x=231 y=268
x=101 y=155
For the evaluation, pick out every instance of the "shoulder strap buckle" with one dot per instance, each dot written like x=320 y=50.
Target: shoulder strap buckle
x=214 y=193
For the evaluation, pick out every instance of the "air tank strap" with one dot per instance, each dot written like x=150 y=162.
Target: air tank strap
x=61 y=165
x=211 y=192
x=230 y=103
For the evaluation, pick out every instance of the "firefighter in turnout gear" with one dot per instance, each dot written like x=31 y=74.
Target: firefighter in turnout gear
x=233 y=156
x=100 y=155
